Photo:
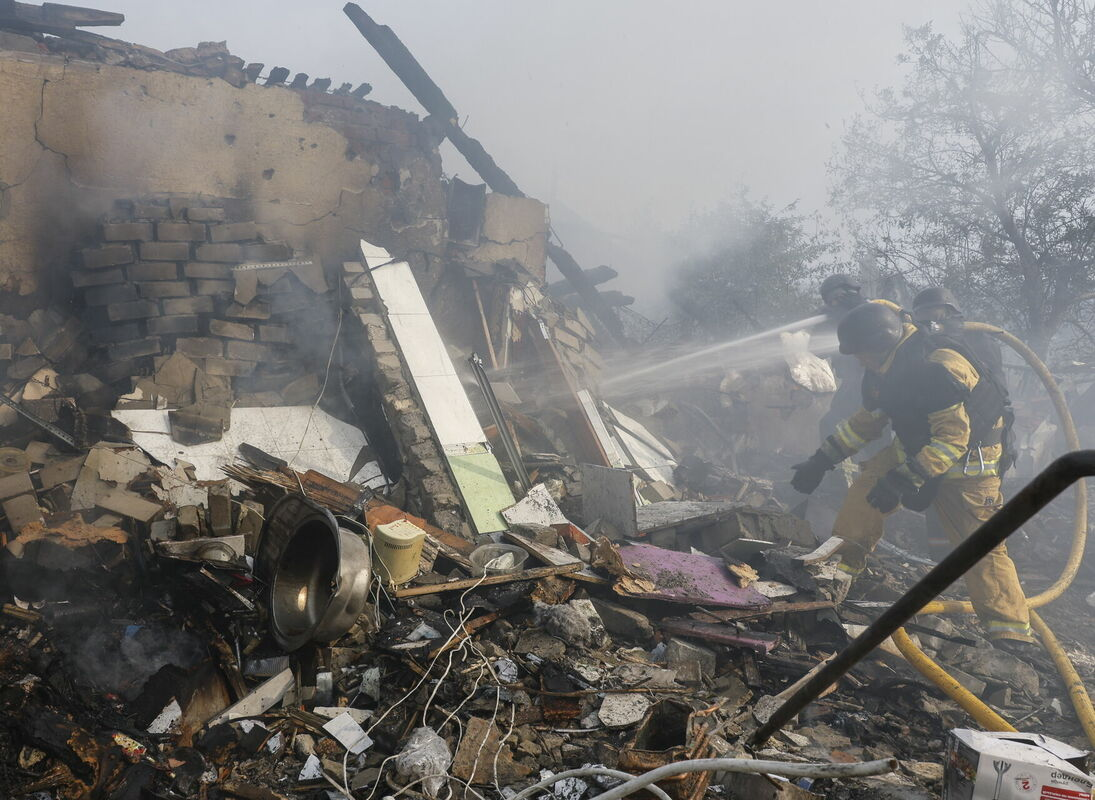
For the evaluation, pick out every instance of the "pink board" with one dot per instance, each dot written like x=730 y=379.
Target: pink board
x=699 y=580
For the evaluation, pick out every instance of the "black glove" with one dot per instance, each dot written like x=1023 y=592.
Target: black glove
x=891 y=487
x=809 y=474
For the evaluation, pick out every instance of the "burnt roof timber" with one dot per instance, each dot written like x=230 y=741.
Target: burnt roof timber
x=53 y=18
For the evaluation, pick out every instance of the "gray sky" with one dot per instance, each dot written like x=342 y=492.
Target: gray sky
x=626 y=115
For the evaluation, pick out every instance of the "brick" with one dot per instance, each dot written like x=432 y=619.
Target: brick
x=256 y=309
x=158 y=289
x=232 y=369
x=205 y=215
x=22 y=511
x=173 y=326
x=200 y=347
x=267 y=251
x=222 y=252
x=112 y=334
x=249 y=351
x=233 y=232
x=127 y=232
x=102 y=277
x=286 y=303
x=179 y=205
x=111 y=255
x=278 y=334
x=105 y=295
x=138 y=309
x=135 y=349
x=150 y=211
x=165 y=251
x=231 y=330
x=180 y=232
x=153 y=271
x=201 y=269
x=206 y=286
x=187 y=305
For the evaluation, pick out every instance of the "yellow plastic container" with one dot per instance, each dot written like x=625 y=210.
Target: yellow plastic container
x=398 y=549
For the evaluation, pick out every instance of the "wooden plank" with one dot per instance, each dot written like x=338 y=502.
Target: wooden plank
x=555 y=557
x=490 y=580
x=733 y=615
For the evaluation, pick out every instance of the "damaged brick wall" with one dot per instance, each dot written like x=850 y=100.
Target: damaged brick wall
x=318 y=170
x=430 y=488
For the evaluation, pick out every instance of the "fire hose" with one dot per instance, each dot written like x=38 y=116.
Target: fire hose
x=920 y=599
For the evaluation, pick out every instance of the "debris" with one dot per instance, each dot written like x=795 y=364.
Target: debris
x=349 y=733
x=622 y=710
x=261 y=699
x=683 y=655
x=425 y=758
x=684 y=578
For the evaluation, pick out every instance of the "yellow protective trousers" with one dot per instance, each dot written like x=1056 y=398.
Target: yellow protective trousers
x=962 y=505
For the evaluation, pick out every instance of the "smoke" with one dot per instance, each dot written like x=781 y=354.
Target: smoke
x=117 y=657
x=625 y=115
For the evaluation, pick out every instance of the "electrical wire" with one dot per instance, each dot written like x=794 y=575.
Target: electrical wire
x=322 y=389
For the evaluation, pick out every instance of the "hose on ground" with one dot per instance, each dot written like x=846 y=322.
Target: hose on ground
x=919 y=660
x=784 y=768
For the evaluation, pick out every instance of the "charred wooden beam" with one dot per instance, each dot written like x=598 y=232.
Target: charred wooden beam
x=53 y=18
x=596 y=276
x=414 y=77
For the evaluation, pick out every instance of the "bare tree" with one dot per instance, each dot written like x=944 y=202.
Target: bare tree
x=751 y=267
x=976 y=174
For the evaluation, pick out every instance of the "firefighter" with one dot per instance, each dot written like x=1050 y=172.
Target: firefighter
x=936 y=310
x=947 y=421
x=840 y=294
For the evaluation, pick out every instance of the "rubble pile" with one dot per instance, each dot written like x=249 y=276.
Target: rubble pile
x=140 y=654
x=324 y=519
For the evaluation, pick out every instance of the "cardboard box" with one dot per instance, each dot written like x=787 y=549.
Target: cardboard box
x=1013 y=766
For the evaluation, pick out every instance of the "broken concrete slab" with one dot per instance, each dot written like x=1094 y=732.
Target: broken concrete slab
x=622 y=710
x=623 y=621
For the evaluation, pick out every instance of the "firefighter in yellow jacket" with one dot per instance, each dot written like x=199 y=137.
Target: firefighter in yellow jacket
x=947 y=423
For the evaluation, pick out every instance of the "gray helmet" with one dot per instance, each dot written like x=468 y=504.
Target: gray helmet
x=869 y=328
x=935 y=296
x=838 y=281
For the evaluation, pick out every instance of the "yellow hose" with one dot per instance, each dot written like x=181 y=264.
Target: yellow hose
x=1080 y=700
x=985 y=716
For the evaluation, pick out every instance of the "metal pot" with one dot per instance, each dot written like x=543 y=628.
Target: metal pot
x=318 y=573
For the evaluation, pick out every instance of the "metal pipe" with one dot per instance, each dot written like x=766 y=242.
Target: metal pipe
x=512 y=453
x=1053 y=480
x=784 y=768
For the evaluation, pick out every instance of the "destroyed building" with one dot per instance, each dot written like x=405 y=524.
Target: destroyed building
x=310 y=487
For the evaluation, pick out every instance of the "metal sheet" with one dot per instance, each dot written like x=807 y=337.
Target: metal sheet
x=608 y=443
x=682 y=513
x=537 y=507
x=691 y=578
x=484 y=489
x=609 y=495
x=306 y=438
